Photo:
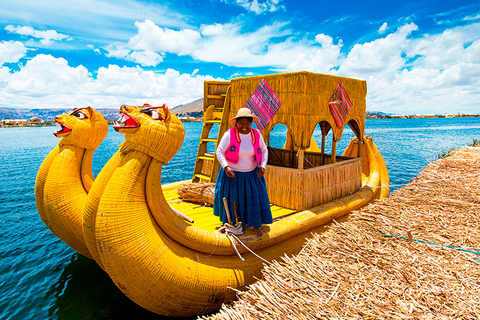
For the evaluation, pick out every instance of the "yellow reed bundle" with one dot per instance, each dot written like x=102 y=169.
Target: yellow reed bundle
x=197 y=192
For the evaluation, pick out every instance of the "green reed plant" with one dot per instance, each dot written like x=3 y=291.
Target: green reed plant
x=446 y=153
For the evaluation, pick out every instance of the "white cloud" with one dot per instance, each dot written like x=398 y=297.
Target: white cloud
x=45 y=75
x=223 y=43
x=379 y=56
x=119 y=51
x=322 y=59
x=48 y=82
x=266 y=46
x=11 y=51
x=149 y=45
x=96 y=50
x=144 y=58
x=475 y=17
x=258 y=7
x=150 y=37
x=443 y=50
x=136 y=86
x=46 y=37
x=407 y=73
x=383 y=28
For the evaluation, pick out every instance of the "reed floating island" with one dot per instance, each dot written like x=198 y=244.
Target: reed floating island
x=414 y=255
x=165 y=252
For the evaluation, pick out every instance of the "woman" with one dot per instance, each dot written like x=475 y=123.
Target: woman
x=243 y=156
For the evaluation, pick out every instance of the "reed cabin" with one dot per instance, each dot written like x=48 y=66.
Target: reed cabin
x=301 y=175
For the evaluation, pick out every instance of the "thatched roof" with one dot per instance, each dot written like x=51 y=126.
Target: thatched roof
x=305 y=98
x=367 y=268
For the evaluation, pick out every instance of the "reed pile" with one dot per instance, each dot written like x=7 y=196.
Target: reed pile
x=367 y=267
x=200 y=192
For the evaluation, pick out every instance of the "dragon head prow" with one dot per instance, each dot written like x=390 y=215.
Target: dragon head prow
x=155 y=131
x=83 y=127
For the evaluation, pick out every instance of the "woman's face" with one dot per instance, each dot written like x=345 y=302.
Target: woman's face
x=244 y=125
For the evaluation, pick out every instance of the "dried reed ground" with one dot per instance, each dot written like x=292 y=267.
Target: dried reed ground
x=352 y=271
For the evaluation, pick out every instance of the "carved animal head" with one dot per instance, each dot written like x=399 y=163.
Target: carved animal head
x=151 y=130
x=83 y=127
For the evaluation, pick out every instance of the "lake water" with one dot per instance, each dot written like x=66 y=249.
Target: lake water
x=42 y=278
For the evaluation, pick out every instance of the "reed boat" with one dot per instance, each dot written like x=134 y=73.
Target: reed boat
x=166 y=251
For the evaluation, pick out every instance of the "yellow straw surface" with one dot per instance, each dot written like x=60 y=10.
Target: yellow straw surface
x=353 y=272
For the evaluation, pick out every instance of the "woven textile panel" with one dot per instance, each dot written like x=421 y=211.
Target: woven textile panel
x=264 y=103
x=340 y=104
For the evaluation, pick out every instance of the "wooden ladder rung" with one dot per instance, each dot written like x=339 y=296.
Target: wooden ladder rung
x=203 y=176
x=216 y=96
x=212 y=121
x=209 y=140
x=207 y=157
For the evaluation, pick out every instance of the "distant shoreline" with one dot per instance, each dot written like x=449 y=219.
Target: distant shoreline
x=421 y=116
x=110 y=122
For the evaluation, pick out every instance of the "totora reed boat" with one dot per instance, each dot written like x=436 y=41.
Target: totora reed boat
x=164 y=249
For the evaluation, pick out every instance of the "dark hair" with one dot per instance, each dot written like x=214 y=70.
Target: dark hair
x=250 y=119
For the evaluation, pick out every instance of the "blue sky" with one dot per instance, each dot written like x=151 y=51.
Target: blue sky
x=418 y=56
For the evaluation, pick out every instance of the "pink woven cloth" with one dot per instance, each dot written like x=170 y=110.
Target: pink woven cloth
x=264 y=103
x=340 y=105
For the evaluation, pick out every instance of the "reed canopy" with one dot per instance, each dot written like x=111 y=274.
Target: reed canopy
x=304 y=100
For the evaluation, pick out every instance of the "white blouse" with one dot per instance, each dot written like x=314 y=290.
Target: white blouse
x=246 y=154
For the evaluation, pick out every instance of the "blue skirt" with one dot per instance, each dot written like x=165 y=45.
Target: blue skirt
x=249 y=194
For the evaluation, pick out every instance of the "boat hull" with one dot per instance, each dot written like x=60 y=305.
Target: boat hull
x=171 y=267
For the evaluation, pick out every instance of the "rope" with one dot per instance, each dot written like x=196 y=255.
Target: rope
x=216 y=233
x=429 y=181
x=427 y=242
x=256 y=255
x=230 y=236
x=231 y=232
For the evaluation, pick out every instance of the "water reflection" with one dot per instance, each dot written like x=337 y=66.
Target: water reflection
x=84 y=291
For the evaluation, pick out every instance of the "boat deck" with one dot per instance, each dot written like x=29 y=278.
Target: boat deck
x=203 y=215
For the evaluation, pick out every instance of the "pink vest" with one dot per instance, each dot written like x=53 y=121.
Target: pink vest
x=233 y=148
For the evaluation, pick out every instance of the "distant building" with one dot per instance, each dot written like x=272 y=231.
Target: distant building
x=14 y=121
x=189 y=119
x=36 y=120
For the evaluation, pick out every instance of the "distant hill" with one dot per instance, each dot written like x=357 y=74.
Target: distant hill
x=194 y=106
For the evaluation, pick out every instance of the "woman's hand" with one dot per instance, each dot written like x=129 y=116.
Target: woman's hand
x=229 y=171
x=261 y=172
